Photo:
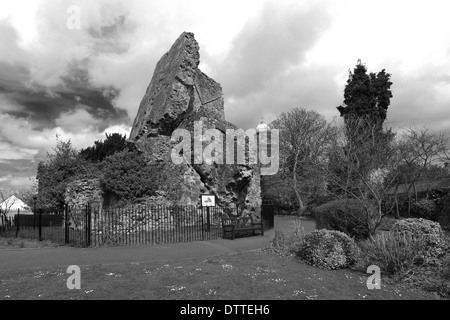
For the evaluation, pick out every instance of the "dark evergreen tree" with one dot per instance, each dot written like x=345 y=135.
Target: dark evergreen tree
x=126 y=176
x=366 y=96
x=101 y=149
x=366 y=101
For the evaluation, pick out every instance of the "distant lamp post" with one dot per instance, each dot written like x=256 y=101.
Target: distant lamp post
x=34 y=211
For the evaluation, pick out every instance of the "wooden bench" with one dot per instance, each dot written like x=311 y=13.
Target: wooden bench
x=234 y=225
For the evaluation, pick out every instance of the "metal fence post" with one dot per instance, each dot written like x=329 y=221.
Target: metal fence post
x=40 y=225
x=18 y=223
x=208 y=220
x=66 y=224
x=89 y=226
x=203 y=229
x=86 y=214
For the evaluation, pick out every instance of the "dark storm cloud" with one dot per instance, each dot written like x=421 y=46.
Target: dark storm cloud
x=109 y=36
x=43 y=105
x=24 y=95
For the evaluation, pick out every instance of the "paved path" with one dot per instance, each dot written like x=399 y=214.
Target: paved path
x=65 y=256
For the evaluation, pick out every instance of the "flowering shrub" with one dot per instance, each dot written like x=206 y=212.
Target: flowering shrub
x=328 y=249
x=428 y=232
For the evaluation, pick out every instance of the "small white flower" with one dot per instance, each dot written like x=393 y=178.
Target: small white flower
x=227 y=267
x=175 y=288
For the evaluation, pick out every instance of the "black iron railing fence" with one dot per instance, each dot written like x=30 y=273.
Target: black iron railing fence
x=153 y=225
x=92 y=225
x=33 y=226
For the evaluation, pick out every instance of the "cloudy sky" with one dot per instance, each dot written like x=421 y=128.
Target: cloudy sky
x=269 y=56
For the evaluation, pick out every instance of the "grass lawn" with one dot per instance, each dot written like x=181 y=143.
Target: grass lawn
x=254 y=275
x=244 y=276
x=14 y=243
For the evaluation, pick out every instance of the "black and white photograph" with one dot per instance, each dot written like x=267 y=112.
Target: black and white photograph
x=225 y=158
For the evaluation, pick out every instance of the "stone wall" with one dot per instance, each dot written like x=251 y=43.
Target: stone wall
x=81 y=192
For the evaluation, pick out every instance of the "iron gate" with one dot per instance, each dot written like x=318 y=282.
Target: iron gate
x=77 y=225
x=268 y=214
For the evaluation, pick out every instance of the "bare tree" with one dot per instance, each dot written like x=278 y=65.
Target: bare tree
x=304 y=135
x=358 y=168
x=27 y=194
x=445 y=157
x=420 y=149
x=6 y=201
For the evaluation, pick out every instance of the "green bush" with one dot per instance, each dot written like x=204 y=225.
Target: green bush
x=424 y=208
x=445 y=270
x=127 y=176
x=443 y=209
x=348 y=216
x=429 y=232
x=392 y=252
x=328 y=249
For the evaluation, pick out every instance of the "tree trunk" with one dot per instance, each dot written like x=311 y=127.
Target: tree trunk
x=378 y=219
x=415 y=190
x=295 y=186
x=397 y=210
x=409 y=198
x=301 y=206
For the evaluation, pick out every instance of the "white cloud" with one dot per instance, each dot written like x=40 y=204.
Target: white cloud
x=22 y=182
x=6 y=178
x=17 y=181
x=121 y=129
x=77 y=121
x=408 y=34
x=22 y=15
x=14 y=152
x=22 y=141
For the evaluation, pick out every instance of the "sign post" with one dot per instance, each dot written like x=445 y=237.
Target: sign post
x=208 y=201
